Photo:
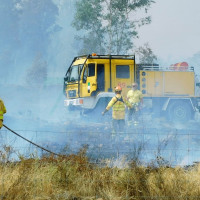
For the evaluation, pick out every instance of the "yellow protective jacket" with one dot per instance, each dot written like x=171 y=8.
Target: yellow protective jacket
x=118 y=104
x=134 y=96
x=2 y=109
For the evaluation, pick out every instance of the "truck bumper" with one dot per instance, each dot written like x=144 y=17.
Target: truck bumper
x=73 y=102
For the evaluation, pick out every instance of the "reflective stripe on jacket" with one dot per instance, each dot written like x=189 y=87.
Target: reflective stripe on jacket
x=118 y=104
x=2 y=109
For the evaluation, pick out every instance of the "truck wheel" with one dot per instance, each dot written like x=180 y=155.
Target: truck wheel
x=179 y=111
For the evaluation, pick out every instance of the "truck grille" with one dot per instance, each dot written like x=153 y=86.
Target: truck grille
x=72 y=93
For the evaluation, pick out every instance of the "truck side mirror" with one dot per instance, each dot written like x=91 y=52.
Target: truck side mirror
x=66 y=78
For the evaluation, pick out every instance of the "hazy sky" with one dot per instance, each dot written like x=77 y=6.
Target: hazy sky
x=175 y=29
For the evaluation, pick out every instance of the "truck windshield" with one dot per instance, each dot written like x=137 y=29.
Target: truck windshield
x=74 y=73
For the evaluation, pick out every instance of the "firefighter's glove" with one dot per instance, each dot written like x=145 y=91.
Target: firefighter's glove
x=103 y=113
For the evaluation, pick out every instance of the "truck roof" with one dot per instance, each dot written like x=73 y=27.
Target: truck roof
x=95 y=56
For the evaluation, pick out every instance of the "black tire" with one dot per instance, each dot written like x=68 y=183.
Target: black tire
x=180 y=111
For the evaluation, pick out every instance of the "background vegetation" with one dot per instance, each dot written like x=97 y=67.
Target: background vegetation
x=109 y=27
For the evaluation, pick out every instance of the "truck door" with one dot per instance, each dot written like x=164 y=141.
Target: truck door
x=89 y=80
x=100 y=77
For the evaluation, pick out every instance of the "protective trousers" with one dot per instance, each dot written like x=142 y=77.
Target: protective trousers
x=133 y=114
x=118 y=125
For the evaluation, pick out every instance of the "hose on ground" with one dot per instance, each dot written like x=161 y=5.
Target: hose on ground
x=33 y=142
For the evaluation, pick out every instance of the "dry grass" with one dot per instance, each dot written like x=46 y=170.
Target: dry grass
x=74 y=178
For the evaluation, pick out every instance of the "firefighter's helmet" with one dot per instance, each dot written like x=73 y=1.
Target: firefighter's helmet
x=118 y=89
x=134 y=84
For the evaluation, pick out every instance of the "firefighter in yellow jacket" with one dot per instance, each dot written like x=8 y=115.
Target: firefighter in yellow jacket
x=118 y=115
x=2 y=111
x=134 y=97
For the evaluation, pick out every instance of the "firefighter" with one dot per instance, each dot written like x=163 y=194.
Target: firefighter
x=118 y=115
x=134 y=97
x=2 y=111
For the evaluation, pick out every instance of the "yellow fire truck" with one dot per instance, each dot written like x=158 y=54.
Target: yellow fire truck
x=90 y=81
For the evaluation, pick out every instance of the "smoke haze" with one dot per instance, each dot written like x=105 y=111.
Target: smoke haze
x=36 y=47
